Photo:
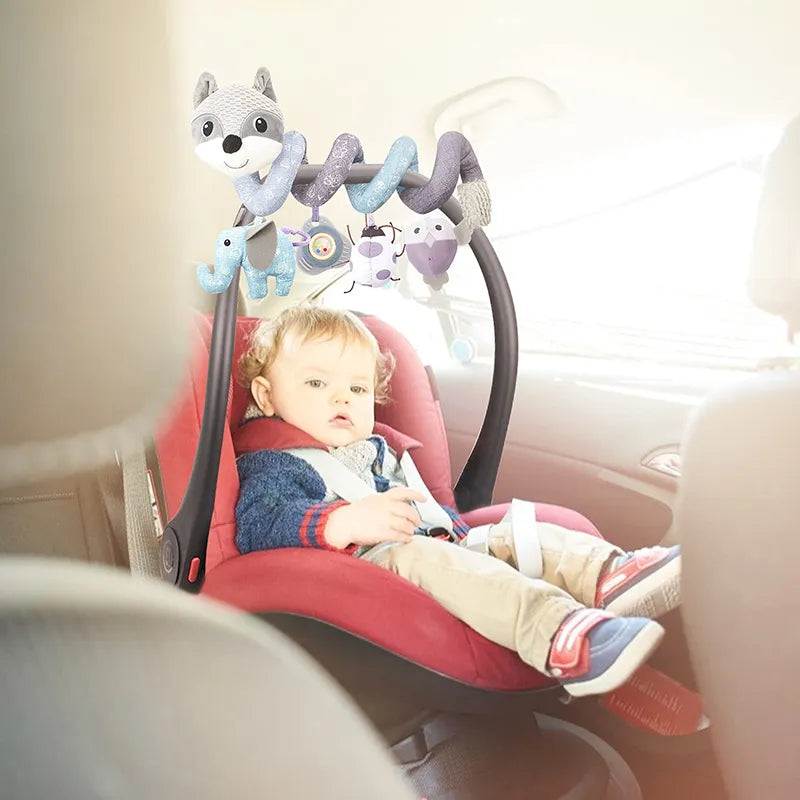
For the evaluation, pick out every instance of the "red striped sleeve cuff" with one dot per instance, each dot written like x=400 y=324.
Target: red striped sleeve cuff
x=321 y=522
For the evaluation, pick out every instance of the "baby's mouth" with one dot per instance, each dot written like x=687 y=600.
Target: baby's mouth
x=341 y=421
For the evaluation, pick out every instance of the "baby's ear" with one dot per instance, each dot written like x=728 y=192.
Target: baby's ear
x=263 y=84
x=262 y=394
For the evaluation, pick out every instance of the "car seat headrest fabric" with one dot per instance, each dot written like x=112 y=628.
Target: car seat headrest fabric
x=774 y=279
x=92 y=332
x=115 y=686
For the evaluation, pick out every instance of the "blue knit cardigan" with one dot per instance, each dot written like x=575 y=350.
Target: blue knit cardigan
x=281 y=504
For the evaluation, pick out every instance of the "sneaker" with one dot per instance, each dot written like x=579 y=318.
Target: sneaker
x=642 y=583
x=594 y=652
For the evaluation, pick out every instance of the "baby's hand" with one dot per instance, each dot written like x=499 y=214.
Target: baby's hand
x=385 y=517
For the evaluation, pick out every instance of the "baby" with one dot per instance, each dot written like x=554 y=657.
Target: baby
x=570 y=604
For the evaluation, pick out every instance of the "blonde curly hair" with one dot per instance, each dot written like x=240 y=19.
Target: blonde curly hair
x=313 y=322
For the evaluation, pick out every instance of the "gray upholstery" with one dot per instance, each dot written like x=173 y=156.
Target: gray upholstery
x=76 y=516
x=738 y=518
x=124 y=688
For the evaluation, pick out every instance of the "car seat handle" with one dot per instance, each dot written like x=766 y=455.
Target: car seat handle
x=183 y=544
x=185 y=538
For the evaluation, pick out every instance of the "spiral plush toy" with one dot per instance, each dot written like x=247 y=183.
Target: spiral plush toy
x=239 y=130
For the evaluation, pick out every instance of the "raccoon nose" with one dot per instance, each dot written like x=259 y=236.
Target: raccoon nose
x=231 y=143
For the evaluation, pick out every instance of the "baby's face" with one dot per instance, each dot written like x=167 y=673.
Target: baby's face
x=325 y=387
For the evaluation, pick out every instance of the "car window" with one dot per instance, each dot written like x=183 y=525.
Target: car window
x=656 y=277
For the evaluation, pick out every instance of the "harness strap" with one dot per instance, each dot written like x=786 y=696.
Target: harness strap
x=527 y=550
x=347 y=485
x=430 y=511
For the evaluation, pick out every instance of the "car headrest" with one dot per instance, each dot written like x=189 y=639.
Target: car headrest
x=91 y=327
x=774 y=279
x=114 y=686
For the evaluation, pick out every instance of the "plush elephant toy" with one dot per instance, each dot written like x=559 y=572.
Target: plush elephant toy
x=261 y=250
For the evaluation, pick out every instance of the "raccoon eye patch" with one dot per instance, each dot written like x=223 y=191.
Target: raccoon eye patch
x=260 y=123
x=208 y=127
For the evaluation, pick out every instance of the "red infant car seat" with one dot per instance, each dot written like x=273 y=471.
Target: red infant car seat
x=356 y=598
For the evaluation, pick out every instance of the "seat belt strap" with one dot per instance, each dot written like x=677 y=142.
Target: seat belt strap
x=143 y=549
x=347 y=485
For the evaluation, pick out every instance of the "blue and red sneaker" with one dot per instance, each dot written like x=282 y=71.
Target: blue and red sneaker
x=594 y=652
x=642 y=583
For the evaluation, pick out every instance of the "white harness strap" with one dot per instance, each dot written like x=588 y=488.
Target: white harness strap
x=527 y=549
x=347 y=485
x=343 y=482
x=430 y=511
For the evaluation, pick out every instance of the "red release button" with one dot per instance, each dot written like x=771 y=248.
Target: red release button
x=194 y=568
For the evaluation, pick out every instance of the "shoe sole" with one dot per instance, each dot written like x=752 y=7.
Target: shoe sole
x=653 y=596
x=630 y=659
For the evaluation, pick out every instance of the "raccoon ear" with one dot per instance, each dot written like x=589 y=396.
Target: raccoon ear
x=206 y=85
x=263 y=84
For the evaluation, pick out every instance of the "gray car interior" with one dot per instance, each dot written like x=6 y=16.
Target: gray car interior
x=84 y=644
x=737 y=516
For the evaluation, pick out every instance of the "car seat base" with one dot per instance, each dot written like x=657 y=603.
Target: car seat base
x=464 y=757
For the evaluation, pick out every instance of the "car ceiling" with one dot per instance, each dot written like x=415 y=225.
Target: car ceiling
x=630 y=69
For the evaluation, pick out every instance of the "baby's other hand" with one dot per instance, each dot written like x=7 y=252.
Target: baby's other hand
x=385 y=517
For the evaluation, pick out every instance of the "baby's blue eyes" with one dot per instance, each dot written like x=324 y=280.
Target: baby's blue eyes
x=358 y=389
x=315 y=383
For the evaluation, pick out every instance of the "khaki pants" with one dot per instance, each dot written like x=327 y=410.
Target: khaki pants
x=491 y=596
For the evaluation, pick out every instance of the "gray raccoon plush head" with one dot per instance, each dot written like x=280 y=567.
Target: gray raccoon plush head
x=238 y=129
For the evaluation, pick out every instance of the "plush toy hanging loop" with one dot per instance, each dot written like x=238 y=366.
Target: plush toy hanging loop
x=327 y=247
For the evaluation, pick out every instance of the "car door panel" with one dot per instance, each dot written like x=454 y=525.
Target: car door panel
x=579 y=441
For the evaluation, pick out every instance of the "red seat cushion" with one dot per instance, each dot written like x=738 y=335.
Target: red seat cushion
x=379 y=606
x=352 y=594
